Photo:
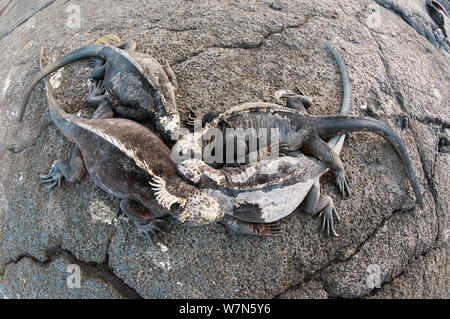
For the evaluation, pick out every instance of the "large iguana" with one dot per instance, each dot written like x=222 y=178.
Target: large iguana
x=265 y=191
x=141 y=86
x=127 y=160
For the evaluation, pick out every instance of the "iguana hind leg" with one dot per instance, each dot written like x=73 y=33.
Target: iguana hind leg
x=145 y=220
x=322 y=205
x=316 y=147
x=256 y=229
x=298 y=101
x=72 y=171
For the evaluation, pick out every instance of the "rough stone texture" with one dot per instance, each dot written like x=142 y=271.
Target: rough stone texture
x=312 y=289
x=28 y=278
x=225 y=53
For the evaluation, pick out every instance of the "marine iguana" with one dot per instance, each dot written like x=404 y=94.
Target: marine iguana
x=129 y=161
x=256 y=192
x=144 y=86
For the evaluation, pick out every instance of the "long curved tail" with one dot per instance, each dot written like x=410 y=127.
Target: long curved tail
x=347 y=91
x=337 y=125
x=345 y=108
x=83 y=52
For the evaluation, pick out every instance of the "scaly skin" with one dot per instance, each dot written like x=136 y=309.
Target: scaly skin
x=256 y=192
x=129 y=161
x=144 y=86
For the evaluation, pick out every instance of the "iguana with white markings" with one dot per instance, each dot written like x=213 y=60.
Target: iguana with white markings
x=129 y=161
x=268 y=190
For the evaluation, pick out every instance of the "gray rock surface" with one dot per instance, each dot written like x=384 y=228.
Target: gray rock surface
x=225 y=53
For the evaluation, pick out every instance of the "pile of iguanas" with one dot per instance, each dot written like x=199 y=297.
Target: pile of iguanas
x=129 y=161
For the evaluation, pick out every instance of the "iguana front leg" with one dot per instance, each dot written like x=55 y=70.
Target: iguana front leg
x=72 y=171
x=145 y=220
x=323 y=205
x=316 y=147
x=75 y=170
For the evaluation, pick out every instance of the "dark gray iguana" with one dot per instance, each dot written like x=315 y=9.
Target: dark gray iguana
x=129 y=161
x=141 y=86
x=266 y=191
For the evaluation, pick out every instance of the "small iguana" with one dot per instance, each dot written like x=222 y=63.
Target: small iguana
x=141 y=86
x=127 y=160
x=256 y=192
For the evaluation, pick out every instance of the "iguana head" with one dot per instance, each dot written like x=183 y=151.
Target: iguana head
x=168 y=124
x=195 y=208
x=201 y=208
x=189 y=146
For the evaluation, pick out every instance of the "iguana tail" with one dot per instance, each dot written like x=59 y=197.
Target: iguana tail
x=338 y=125
x=347 y=92
x=81 y=53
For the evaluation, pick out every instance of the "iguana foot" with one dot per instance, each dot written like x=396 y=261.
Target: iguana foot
x=150 y=231
x=270 y=229
x=144 y=219
x=169 y=72
x=256 y=229
x=317 y=147
x=54 y=176
x=163 y=62
x=72 y=171
x=191 y=118
x=327 y=218
x=323 y=206
x=97 y=98
x=95 y=62
x=96 y=94
x=342 y=183
x=283 y=149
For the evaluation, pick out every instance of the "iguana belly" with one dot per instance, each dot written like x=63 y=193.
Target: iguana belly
x=263 y=206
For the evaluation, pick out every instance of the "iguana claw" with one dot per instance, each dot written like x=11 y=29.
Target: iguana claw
x=96 y=88
x=273 y=228
x=327 y=219
x=342 y=183
x=150 y=231
x=54 y=177
x=191 y=118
